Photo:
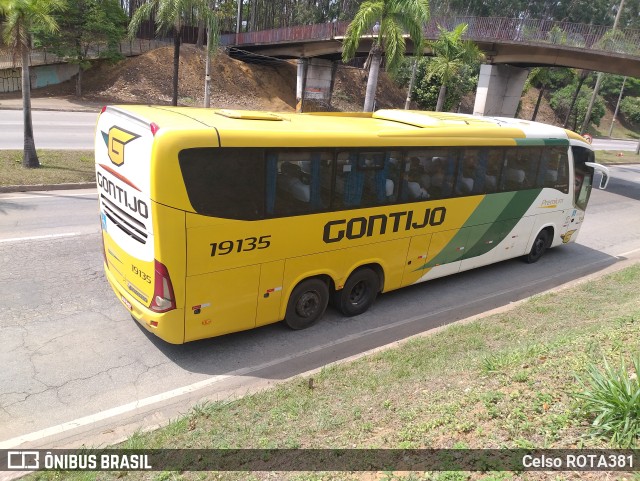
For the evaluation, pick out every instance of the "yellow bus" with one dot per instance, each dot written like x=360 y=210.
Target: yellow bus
x=217 y=221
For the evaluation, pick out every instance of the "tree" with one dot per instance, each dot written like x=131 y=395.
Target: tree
x=387 y=20
x=561 y=100
x=21 y=18
x=451 y=55
x=88 y=25
x=545 y=78
x=170 y=17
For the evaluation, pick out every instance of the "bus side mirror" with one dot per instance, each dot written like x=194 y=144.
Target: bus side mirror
x=603 y=170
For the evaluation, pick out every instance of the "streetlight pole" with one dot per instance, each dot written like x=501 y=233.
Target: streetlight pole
x=587 y=117
x=615 y=113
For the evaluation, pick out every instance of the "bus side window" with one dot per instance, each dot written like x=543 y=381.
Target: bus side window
x=467 y=172
x=449 y=168
x=553 y=171
x=299 y=181
x=349 y=181
x=495 y=161
x=365 y=179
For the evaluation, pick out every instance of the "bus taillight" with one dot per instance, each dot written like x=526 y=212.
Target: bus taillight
x=163 y=298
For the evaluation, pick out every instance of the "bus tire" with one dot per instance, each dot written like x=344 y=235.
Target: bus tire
x=539 y=247
x=358 y=293
x=307 y=303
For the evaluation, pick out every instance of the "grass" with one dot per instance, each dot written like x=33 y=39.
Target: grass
x=617 y=157
x=505 y=381
x=57 y=167
x=612 y=397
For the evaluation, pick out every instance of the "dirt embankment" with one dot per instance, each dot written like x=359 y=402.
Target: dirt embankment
x=234 y=84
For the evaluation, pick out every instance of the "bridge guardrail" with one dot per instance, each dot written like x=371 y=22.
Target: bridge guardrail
x=481 y=29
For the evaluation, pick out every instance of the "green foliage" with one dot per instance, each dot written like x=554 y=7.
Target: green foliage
x=557 y=36
x=22 y=17
x=85 y=26
x=630 y=107
x=616 y=41
x=395 y=17
x=453 y=58
x=612 y=398
x=561 y=100
x=426 y=90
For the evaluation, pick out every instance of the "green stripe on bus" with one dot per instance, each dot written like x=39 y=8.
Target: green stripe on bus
x=496 y=232
x=493 y=219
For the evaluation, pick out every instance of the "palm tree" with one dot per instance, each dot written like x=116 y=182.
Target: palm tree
x=169 y=17
x=451 y=54
x=387 y=20
x=21 y=18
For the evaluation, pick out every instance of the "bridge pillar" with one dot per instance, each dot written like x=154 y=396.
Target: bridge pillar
x=499 y=90
x=314 y=83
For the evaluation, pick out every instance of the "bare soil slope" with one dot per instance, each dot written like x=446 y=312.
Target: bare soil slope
x=234 y=84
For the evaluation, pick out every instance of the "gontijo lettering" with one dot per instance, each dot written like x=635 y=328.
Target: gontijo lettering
x=118 y=194
x=357 y=227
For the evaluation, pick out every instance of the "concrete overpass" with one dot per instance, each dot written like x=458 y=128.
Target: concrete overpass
x=511 y=46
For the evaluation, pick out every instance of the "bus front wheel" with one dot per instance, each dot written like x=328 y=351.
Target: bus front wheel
x=539 y=247
x=307 y=303
x=358 y=293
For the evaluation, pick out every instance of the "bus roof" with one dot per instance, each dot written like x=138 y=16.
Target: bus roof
x=383 y=127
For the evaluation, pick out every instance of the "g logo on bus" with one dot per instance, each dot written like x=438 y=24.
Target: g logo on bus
x=116 y=140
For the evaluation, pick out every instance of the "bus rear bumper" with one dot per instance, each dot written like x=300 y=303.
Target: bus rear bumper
x=168 y=326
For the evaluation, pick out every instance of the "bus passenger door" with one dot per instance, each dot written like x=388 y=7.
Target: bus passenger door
x=221 y=302
x=416 y=257
x=445 y=253
x=270 y=292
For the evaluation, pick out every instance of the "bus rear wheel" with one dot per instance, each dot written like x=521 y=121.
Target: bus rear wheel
x=358 y=293
x=539 y=247
x=307 y=303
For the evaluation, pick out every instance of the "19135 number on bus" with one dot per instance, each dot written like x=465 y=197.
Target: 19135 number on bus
x=241 y=245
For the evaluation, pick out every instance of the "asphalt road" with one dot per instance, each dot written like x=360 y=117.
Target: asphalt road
x=76 y=368
x=612 y=144
x=51 y=129
x=75 y=130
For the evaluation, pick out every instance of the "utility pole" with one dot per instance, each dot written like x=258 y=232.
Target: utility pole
x=412 y=82
x=615 y=113
x=587 y=117
x=207 y=71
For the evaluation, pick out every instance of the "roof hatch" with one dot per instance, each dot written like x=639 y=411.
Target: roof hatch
x=248 y=115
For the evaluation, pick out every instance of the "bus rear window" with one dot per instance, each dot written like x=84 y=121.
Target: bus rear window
x=226 y=183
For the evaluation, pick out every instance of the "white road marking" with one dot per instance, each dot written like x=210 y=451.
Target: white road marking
x=626 y=254
x=41 y=237
x=45 y=196
x=109 y=413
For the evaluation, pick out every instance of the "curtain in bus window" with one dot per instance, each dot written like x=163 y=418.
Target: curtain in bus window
x=353 y=181
x=495 y=161
x=480 y=177
x=449 y=174
x=466 y=173
x=316 y=200
x=271 y=178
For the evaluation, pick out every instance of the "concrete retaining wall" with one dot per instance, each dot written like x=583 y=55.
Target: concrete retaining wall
x=41 y=76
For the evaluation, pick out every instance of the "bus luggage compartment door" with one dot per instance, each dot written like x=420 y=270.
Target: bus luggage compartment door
x=221 y=302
